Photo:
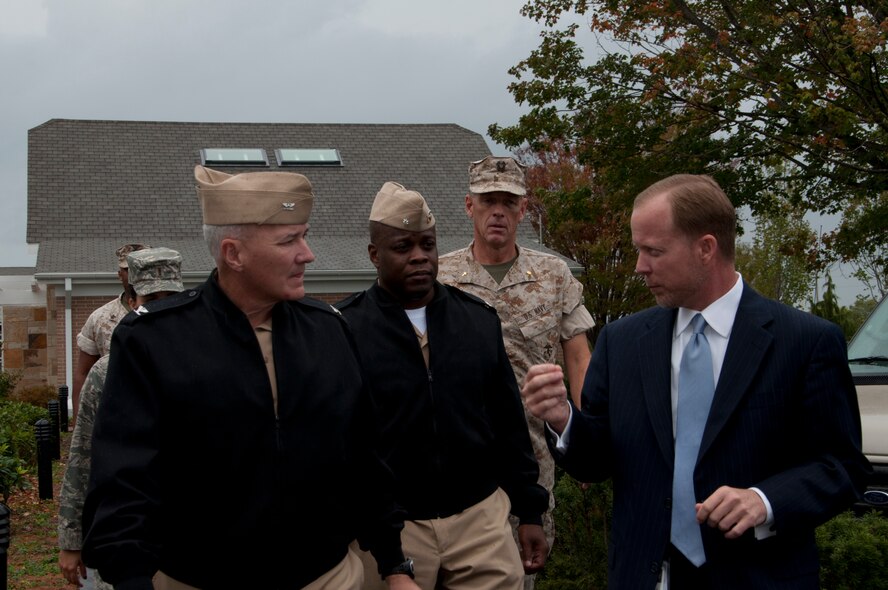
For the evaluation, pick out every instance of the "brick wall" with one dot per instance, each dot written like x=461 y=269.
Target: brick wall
x=26 y=344
x=330 y=297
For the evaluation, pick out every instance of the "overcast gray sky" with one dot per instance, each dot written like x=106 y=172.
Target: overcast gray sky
x=291 y=61
x=299 y=61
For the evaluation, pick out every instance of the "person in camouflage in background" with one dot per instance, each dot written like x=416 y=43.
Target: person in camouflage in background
x=539 y=301
x=154 y=273
x=94 y=338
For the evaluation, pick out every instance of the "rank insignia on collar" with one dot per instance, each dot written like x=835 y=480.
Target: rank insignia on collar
x=405 y=221
x=288 y=206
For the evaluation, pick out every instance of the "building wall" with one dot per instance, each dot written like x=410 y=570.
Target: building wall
x=26 y=347
x=330 y=298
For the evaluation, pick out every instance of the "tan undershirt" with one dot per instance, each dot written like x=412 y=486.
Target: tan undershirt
x=423 y=344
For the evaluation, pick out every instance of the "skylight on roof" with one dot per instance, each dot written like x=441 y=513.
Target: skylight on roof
x=308 y=157
x=233 y=157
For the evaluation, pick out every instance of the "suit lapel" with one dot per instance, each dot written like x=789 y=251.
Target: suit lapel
x=749 y=341
x=654 y=352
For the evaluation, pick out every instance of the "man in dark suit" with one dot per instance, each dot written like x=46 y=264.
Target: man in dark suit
x=777 y=444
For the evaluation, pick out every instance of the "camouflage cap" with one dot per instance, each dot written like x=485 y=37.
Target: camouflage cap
x=155 y=269
x=253 y=197
x=494 y=174
x=126 y=249
x=398 y=207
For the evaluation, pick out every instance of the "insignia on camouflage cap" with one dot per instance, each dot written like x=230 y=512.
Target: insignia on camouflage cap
x=494 y=174
x=155 y=269
x=398 y=207
x=253 y=197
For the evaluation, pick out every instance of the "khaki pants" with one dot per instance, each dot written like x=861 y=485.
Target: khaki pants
x=347 y=575
x=472 y=550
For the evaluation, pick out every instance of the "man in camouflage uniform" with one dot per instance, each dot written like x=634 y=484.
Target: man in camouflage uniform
x=539 y=302
x=94 y=338
x=154 y=273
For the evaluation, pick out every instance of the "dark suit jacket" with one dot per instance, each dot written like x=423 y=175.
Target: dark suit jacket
x=784 y=419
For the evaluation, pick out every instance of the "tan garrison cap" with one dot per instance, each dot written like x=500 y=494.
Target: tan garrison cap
x=492 y=175
x=126 y=249
x=398 y=207
x=155 y=269
x=253 y=197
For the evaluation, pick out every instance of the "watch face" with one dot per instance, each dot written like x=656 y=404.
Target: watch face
x=403 y=568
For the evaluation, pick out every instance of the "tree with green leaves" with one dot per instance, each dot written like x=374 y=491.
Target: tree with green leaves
x=853 y=242
x=829 y=309
x=777 y=263
x=777 y=100
x=859 y=311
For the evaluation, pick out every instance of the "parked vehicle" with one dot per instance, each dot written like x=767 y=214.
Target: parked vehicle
x=868 y=360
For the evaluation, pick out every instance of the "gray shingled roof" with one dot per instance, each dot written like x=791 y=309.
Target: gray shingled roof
x=94 y=185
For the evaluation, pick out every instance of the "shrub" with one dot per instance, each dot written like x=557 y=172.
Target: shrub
x=854 y=552
x=8 y=382
x=12 y=472
x=37 y=395
x=578 y=560
x=17 y=430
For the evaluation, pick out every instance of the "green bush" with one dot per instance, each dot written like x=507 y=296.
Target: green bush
x=12 y=472
x=8 y=382
x=854 y=552
x=578 y=560
x=18 y=445
x=17 y=430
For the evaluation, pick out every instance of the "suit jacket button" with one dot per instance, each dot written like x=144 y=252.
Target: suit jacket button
x=655 y=567
x=668 y=504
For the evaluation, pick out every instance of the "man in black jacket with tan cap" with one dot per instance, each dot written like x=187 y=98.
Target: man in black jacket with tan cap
x=235 y=419
x=454 y=432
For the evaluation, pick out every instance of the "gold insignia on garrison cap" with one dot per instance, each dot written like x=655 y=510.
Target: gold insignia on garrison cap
x=399 y=207
x=253 y=197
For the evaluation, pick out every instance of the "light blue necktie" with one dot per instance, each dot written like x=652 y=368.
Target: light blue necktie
x=695 y=391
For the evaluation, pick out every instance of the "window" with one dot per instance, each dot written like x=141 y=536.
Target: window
x=233 y=157
x=307 y=157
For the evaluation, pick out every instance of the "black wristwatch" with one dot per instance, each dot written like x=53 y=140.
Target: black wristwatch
x=405 y=568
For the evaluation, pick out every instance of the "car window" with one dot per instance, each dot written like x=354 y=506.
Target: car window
x=868 y=349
